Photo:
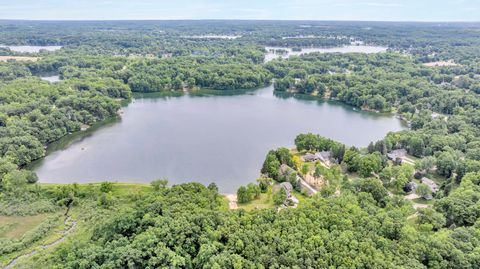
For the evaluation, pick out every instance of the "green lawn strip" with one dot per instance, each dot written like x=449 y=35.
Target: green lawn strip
x=51 y=236
x=13 y=227
x=422 y=201
x=264 y=201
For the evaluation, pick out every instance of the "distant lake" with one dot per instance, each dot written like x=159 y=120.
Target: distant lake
x=204 y=138
x=273 y=54
x=31 y=49
x=52 y=79
x=212 y=36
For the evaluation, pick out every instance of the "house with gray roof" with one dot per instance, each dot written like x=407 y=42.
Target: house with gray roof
x=430 y=183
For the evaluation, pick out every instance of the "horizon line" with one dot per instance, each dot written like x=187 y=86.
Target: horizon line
x=243 y=20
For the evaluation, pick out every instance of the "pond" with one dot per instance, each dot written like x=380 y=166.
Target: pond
x=273 y=51
x=31 y=49
x=203 y=138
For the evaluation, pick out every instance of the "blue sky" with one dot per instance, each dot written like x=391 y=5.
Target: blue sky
x=384 y=10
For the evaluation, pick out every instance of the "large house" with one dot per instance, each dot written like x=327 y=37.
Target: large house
x=323 y=156
x=397 y=155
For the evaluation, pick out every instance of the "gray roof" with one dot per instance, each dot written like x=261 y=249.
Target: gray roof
x=321 y=156
x=398 y=153
x=430 y=183
x=287 y=186
x=286 y=170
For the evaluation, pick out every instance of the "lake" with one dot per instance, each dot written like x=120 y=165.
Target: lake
x=51 y=78
x=271 y=55
x=204 y=138
x=31 y=49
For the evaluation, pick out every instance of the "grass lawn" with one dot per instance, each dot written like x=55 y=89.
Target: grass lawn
x=423 y=201
x=13 y=227
x=265 y=201
x=412 y=158
x=435 y=177
x=300 y=196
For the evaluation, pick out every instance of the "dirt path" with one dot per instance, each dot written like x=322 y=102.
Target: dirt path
x=68 y=221
x=232 y=201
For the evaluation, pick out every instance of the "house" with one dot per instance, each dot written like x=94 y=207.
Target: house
x=396 y=155
x=285 y=170
x=323 y=156
x=430 y=183
x=309 y=157
x=287 y=186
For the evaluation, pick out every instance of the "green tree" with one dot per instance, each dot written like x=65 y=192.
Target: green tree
x=375 y=188
x=424 y=191
x=253 y=191
x=279 y=196
x=446 y=163
x=271 y=165
x=426 y=164
x=158 y=184
x=264 y=183
x=242 y=195
x=369 y=164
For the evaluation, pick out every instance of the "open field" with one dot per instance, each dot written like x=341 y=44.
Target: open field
x=265 y=201
x=13 y=227
x=441 y=63
x=18 y=58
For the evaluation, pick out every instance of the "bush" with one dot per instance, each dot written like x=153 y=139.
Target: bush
x=106 y=187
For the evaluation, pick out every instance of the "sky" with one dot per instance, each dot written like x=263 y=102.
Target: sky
x=364 y=10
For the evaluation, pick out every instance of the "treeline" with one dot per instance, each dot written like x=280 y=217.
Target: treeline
x=34 y=113
x=377 y=81
x=185 y=227
x=177 y=74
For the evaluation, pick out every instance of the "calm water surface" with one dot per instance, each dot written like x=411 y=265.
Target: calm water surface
x=54 y=78
x=271 y=55
x=31 y=49
x=222 y=139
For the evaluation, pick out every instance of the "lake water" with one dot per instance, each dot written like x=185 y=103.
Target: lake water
x=209 y=138
x=54 y=78
x=31 y=49
x=345 y=49
x=230 y=37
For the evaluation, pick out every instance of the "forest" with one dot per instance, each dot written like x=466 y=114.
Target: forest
x=361 y=216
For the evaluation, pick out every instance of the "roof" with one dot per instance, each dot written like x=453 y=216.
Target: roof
x=398 y=153
x=323 y=156
x=430 y=183
x=287 y=186
x=285 y=169
x=309 y=157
